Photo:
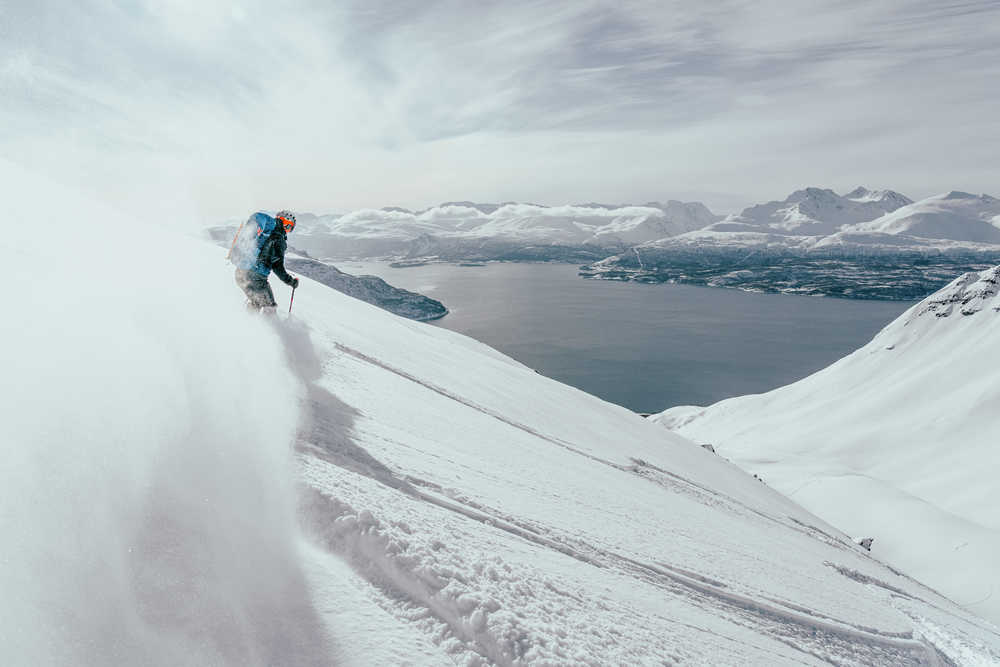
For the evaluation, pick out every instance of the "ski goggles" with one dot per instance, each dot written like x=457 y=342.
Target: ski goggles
x=288 y=224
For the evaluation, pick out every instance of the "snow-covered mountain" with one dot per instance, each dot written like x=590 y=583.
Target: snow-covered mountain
x=467 y=230
x=677 y=218
x=955 y=216
x=816 y=221
x=897 y=441
x=866 y=244
x=814 y=212
x=453 y=506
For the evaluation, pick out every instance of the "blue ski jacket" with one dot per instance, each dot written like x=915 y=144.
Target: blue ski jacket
x=272 y=242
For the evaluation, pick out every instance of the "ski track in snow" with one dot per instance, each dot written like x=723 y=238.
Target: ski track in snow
x=387 y=561
x=428 y=584
x=910 y=459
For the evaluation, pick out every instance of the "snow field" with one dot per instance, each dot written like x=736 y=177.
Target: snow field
x=896 y=441
x=524 y=522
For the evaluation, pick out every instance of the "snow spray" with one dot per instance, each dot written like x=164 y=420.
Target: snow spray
x=148 y=504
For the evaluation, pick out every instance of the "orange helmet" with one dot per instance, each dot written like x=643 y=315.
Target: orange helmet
x=287 y=219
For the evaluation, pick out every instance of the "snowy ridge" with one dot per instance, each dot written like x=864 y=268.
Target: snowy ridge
x=970 y=293
x=908 y=457
x=955 y=216
x=888 y=199
x=819 y=243
x=816 y=211
x=816 y=221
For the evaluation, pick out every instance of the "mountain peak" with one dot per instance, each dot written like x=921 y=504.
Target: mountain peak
x=482 y=208
x=815 y=211
x=863 y=194
x=958 y=194
x=813 y=193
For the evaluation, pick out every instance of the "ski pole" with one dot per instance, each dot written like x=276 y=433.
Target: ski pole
x=291 y=301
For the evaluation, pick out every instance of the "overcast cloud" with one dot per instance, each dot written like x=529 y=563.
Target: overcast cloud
x=202 y=110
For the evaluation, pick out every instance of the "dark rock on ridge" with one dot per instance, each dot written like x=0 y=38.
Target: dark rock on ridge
x=370 y=289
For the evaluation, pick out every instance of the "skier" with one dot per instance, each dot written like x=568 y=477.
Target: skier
x=259 y=250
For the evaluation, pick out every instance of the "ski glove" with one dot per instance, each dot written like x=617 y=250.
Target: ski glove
x=295 y=282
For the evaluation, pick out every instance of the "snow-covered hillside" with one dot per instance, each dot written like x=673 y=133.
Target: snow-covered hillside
x=955 y=216
x=453 y=505
x=520 y=521
x=897 y=441
x=817 y=211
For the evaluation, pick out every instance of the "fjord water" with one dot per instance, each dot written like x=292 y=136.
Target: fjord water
x=646 y=347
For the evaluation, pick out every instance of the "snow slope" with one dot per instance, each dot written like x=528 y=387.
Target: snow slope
x=522 y=521
x=896 y=441
x=454 y=506
x=816 y=211
x=955 y=216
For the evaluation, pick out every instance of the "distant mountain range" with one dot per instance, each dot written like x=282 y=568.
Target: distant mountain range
x=813 y=212
x=779 y=246
x=462 y=231
x=865 y=244
x=815 y=219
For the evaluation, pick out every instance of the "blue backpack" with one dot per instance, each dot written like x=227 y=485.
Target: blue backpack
x=249 y=239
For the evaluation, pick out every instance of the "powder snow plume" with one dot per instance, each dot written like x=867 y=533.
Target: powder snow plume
x=148 y=505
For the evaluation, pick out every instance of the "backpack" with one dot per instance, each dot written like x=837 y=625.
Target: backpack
x=249 y=239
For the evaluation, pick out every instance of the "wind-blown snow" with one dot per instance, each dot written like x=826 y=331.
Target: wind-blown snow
x=896 y=441
x=148 y=499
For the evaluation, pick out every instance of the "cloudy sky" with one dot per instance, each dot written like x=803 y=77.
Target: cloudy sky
x=204 y=110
